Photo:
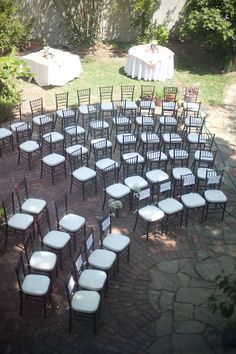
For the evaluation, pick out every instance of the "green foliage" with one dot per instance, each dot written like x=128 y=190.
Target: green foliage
x=225 y=300
x=160 y=34
x=211 y=23
x=141 y=14
x=12 y=31
x=83 y=21
x=11 y=69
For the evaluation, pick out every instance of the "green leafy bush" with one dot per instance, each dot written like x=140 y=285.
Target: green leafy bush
x=141 y=12
x=159 y=33
x=13 y=32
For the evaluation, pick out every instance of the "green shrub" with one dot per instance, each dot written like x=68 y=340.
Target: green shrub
x=13 y=32
x=159 y=33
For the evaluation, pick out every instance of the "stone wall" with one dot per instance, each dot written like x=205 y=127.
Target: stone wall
x=49 y=25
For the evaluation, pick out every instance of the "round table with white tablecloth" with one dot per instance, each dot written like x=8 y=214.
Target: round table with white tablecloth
x=150 y=63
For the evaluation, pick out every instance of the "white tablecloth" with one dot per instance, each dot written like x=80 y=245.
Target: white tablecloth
x=143 y=63
x=56 y=70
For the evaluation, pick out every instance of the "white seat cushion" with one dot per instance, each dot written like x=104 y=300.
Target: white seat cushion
x=99 y=124
x=156 y=176
x=53 y=137
x=171 y=138
x=150 y=138
x=178 y=154
x=135 y=183
x=169 y=105
x=72 y=222
x=83 y=109
x=121 y=120
x=128 y=105
x=36 y=284
x=103 y=142
x=106 y=106
x=117 y=190
x=146 y=104
x=56 y=239
x=43 y=260
x=205 y=155
x=215 y=196
x=85 y=301
x=33 y=205
x=177 y=172
x=156 y=156
x=130 y=138
x=191 y=106
x=194 y=138
x=151 y=213
x=104 y=163
x=193 y=122
x=131 y=155
x=168 y=120
x=20 y=221
x=102 y=259
x=170 y=206
x=29 y=146
x=53 y=159
x=20 y=126
x=92 y=279
x=75 y=130
x=42 y=119
x=69 y=113
x=202 y=171
x=144 y=120
x=193 y=200
x=116 y=242
x=5 y=133
x=75 y=150
x=84 y=174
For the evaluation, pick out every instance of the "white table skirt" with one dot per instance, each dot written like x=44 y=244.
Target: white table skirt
x=144 y=64
x=56 y=71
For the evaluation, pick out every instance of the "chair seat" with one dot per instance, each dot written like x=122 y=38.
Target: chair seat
x=193 y=122
x=74 y=130
x=202 y=172
x=177 y=172
x=33 y=206
x=29 y=146
x=69 y=113
x=128 y=105
x=24 y=126
x=102 y=259
x=156 y=176
x=36 y=284
x=130 y=138
x=144 y=120
x=146 y=104
x=53 y=159
x=178 y=154
x=56 y=239
x=104 y=163
x=130 y=155
x=205 y=155
x=43 y=260
x=116 y=242
x=171 y=138
x=5 y=133
x=135 y=183
x=83 y=109
x=193 y=200
x=169 y=105
x=99 y=124
x=191 y=106
x=20 y=221
x=46 y=119
x=149 y=138
x=117 y=190
x=170 y=206
x=55 y=137
x=106 y=106
x=194 y=138
x=156 y=156
x=215 y=196
x=85 y=301
x=168 y=120
x=121 y=120
x=107 y=143
x=151 y=213
x=92 y=279
x=84 y=174
x=75 y=150
x=72 y=222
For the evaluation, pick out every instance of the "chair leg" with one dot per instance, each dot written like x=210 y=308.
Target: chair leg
x=135 y=224
x=128 y=251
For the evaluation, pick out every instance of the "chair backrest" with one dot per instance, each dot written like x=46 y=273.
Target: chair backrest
x=180 y=155
x=213 y=179
x=127 y=92
x=43 y=225
x=208 y=140
x=101 y=149
x=71 y=287
x=93 y=113
x=89 y=243
x=130 y=166
x=28 y=249
x=129 y=143
x=144 y=197
x=105 y=226
x=147 y=91
x=77 y=159
x=21 y=190
x=106 y=93
x=36 y=107
x=110 y=174
x=16 y=113
x=170 y=93
x=61 y=100
x=8 y=205
x=192 y=111
x=78 y=264
x=191 y=93
x=83 y=96
x=61 y=207
x=188 y=183
x=164 y=189
x=23 y=130
x=47 y=123
x=20 y=271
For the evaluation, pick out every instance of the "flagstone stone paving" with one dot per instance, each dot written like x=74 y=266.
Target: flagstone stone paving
x=157 y=303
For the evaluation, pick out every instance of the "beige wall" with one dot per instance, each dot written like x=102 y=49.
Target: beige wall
x=49 y=25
